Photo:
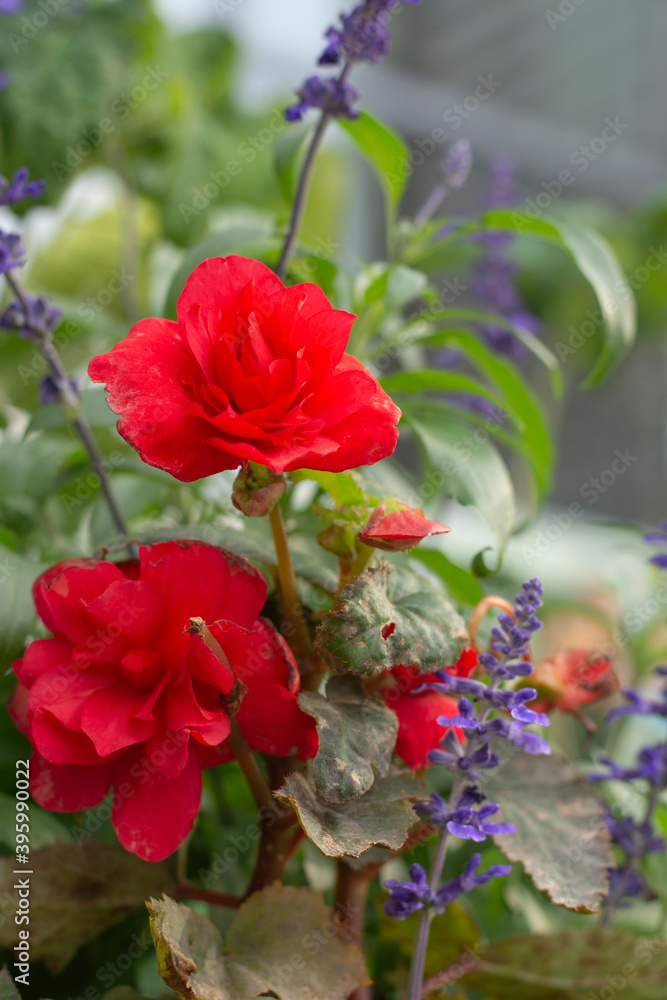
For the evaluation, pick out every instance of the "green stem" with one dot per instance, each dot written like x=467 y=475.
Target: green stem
x=72 y=406
x=292 y=611
x=301 y=195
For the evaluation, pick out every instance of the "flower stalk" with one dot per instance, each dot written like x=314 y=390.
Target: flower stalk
x=71 y=403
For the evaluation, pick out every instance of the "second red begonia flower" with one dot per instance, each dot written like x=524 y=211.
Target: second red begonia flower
x=123 y=697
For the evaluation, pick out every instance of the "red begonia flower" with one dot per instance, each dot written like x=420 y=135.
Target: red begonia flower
x=571 y=679
x=399 y=530
x=252 y=371
x=122 y=696
x=418 y=728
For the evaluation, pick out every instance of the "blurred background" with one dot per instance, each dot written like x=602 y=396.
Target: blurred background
x=157 y=127
x=554 y=88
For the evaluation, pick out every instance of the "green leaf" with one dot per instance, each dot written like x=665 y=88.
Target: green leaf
x=384 y=149
x=272 y=949
x=461 y=584
x=404 y=285
x=469 y=469
x=95 y=410
x=561 y=836
x=599 y=265
x=45 y=828
x=17 y=611
x=577 y=964
x=77 y=891
x=342 y=487
x=386 y=617
x=517 y=399
x=430 y=380
x=382 y=817
x=476 y=316
x=8 y=989
x=356 y=731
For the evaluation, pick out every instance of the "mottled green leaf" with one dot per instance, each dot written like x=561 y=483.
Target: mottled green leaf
x=272 y=949
x=382 y=817
x=356 y=731
x=583 y=963
x=561 y=837
x=77 y=891
x=386 y=617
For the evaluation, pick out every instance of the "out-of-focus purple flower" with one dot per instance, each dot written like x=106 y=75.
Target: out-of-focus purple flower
x=468 y=880
x=10 y=6
x=19 y=187
x=12 y=252
x=40 y=319
x=457 y=164
x=363 y=34
x=48 y=391
x=658 y=538
x=494 y=277
x=479 y=405
x=335 y=97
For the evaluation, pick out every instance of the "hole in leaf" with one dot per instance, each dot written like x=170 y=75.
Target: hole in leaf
x=388 y=630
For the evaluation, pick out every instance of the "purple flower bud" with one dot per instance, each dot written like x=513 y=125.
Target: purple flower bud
x=333 y=96
x=19 y=187
x=457 y=164
x=12 y=252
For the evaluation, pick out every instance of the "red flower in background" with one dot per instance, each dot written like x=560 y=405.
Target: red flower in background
x=252 y=371
x=123 y=697
x=571 y=679
x=418 y=728
x=398 y=530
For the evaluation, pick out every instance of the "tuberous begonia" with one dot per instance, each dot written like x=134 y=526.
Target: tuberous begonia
x=123 y=696
x=252 y=371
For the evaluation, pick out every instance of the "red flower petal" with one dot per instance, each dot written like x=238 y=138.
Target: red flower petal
x=68 y=787
x=153 y=814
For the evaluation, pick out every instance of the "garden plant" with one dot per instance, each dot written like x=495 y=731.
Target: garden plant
x=264 y=735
